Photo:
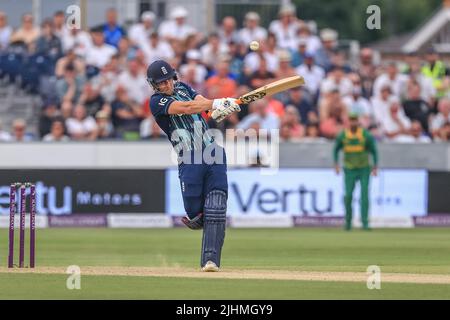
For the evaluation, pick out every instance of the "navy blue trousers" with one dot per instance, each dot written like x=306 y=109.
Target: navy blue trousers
x=197 y=180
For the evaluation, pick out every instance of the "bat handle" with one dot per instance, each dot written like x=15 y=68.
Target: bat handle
x=238 y=101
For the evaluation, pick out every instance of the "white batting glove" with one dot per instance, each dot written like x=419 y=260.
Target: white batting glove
x=219 y=109
x=218 y=104
x=233 y=104
x=229 y=106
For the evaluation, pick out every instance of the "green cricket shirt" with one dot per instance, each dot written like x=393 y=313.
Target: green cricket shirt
x=357 y=147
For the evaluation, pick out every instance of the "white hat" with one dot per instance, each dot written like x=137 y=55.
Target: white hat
x=252 y=16
x=284 y=55
x=193 y=54
x=287 y=9
x=148 y=15
x=328 y=34
x=179 y=12
x=301 y=42
x=393 y=99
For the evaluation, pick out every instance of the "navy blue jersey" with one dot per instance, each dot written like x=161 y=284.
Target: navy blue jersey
x=185 y=131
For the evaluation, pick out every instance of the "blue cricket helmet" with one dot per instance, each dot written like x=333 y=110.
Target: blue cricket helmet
x=160 y=71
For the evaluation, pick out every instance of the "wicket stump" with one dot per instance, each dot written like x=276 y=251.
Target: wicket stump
x=12 y=212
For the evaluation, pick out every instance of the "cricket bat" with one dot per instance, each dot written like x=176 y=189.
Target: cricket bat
x=271 y=89
x=265 y=91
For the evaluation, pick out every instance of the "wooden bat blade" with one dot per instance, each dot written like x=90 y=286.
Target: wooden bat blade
x=272 y=88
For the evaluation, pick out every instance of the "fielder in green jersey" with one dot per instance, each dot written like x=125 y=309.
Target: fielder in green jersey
x=357 y=143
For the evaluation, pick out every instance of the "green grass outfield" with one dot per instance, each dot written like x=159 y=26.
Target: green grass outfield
x=419 y=252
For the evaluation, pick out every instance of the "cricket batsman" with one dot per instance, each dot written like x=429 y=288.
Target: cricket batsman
x=357 y=143
x=177 y=109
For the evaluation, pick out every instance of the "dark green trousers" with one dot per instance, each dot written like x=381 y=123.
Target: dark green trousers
x=351 y=177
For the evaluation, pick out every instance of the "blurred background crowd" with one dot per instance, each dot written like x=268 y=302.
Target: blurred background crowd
x=92 y=83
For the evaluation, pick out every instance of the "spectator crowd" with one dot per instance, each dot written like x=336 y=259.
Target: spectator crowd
x=93 y=83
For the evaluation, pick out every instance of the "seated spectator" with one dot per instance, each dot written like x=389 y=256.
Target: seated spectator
x=179 y=52
x=393 y=78
x=356 y=103
x=193 y=61
x=415 y=107
x=155 y=48
x=325 y=53
x=5 y=31
x=336 y=78
x=418 y=135
x=140 y=32
x=149 y=129
x=126 y=114
x=286 y=28
x=73 y=59
x=192 y=41
x=311 y=41
x=395 y=125
x=125 y=52
x=236 y=62
x=106 y=81
x=339 y=59
x=81 y=126
x=367 y=71
x=193 y=72
x=312 y=133
x=284 y=66
x=105 y=129
x=70 y=86
x=260 y=77
x=133 y=79
x=92 y=100
x=27 y=33
x=176 y=28
x=252 y=31
x=259 y=114
x=227 y=31
x=50 y=112
x=300 y=102
x=48 y=44
x=428 y=91
x=19 y=133
x=111 y=29
x=292 y=119
x=438 y=121
x=335 y=121
x=312 y=74
x=77 y=40
x=285 y=133
x=298 y=55
x=267 y=51
x=332 y=101
x=100 y=53
x=139 y=56
x=59 y=24
x=221 y=84
x=381 y=104
x=443 y=133
x=213 y=50
x=57 y=132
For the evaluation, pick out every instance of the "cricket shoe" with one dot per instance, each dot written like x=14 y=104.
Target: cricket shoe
x=210 y=267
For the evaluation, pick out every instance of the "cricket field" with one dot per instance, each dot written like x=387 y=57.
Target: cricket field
x=270 y=264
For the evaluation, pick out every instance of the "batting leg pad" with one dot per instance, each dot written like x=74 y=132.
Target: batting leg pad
x=214 y=226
